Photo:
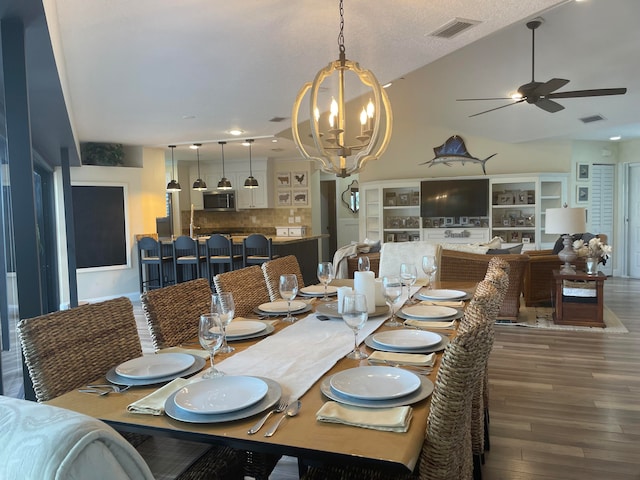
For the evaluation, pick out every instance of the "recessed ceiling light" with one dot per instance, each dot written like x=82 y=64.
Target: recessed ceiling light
x=616 y=137
x=188 y=117
x=275 y=140
x=235 y=132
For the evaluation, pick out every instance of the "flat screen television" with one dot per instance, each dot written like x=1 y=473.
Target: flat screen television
x=454 y=198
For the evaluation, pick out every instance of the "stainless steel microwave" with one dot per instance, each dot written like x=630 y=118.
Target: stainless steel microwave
x=220 y=201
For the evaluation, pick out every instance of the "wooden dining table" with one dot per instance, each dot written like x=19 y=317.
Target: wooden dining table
x=302 y=436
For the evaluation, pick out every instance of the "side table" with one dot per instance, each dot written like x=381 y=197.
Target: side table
x=577 y=310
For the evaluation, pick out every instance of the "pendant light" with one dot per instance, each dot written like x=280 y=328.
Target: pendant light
x=199 y=184
x=342 y=148
x=224 y=183
x=250 y=182
x=173 y=185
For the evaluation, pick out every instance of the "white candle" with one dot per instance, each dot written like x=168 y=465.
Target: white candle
x=364 y=283
x=342 y=291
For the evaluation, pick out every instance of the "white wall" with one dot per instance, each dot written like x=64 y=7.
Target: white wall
x=145 y=201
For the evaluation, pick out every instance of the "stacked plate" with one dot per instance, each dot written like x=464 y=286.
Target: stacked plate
x=429 y=312
x=279 y=307
x=246 y=329
x=222 y=399
x=317 y=291
x=407 y=341
x=153 y=369
x=376 y=387
x=441 y=294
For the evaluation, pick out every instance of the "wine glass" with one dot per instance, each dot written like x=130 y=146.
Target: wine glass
x=288 y=290
x=223 y=305
x=430 y=267
x=325 y=275
x=354 y=314
x=363 y=264
x=408 y=276
x=210 y=334
x=392 y=289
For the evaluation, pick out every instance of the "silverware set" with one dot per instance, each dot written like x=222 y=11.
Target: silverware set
x=417 y=369
x=284 y=407
x=105 y=389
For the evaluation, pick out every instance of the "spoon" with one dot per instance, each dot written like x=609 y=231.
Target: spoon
x=291 y=411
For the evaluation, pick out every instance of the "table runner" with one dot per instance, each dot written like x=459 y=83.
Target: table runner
x=299 y=355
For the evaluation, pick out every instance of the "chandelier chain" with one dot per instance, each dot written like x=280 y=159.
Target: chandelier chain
x=341 y=34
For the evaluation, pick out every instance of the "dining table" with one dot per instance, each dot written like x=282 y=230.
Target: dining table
x=302 y=436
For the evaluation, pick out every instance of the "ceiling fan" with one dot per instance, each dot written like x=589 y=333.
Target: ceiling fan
x=541 y=94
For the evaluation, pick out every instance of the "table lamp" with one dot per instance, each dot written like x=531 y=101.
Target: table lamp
x=565 y=221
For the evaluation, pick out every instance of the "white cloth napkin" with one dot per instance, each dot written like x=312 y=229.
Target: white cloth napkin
x=402 y=358
x=299 y=355
x=190 y=351
x=395 y=419
x=444 y=303
x=423 y=325
x=153 y=404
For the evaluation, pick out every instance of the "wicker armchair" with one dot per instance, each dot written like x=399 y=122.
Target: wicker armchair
x=247 y=285
x=172 y=313
x=463 y=266
x=446 y=452
x=68 y=349
x=280 y=266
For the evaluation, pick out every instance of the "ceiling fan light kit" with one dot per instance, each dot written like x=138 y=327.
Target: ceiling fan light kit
x=541 y=94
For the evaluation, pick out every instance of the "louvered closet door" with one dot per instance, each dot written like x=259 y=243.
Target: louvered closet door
x=602 y=204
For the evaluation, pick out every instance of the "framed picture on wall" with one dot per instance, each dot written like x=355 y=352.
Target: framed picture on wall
x=283 y=179
x=582 y=194
x=284 y=198
x=582 y=172
x=300 y=197
x=299 y=179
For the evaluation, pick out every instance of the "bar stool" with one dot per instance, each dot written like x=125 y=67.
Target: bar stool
x=220 y=256
x=186 y=253
x=150 y=257
x=256 y=249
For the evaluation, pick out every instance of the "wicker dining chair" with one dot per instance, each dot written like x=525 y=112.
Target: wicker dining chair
x=446 y=451
x=172 y=312
x=68 y=349
x=248 y=287
x=280 y=266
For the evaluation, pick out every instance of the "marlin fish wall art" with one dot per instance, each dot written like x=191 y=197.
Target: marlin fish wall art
x=454 y=150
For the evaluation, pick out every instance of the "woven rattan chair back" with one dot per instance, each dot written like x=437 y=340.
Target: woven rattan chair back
x=172 y=313
x=498 y=263
x=280 y=266
x=67 y=349
x=248 y=287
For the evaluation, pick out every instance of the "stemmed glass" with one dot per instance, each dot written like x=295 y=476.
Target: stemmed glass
x=354 y=314
x=408 y=276
x=325 y=275
x=430 y=267
x=210 y=334
x=223 y=305
x=363 y=264
x=288 y=290
x=392 y=289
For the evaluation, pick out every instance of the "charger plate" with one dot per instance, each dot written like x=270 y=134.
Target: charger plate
x=371 y=343
x=459 y=314
x=425 y=389
x=407 y=339
x=113 y=377
x=430 y=312
x=274 y=392
x=440 y=294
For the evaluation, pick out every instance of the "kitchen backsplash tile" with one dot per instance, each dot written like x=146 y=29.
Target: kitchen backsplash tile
x=245 y=221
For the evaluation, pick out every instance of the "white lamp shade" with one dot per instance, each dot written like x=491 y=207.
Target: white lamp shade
x=565 y=220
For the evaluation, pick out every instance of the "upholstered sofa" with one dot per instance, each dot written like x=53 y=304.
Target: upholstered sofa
x=466 y=267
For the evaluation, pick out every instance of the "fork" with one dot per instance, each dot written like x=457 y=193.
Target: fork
x=418 y=369
x=114 y=388
x=281 y=407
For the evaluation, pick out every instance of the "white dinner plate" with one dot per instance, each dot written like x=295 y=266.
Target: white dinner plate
x=269 y=400
x=280 y=306
x=441 y=294
x=444 y=341
x=459 y=314
x=375 y=383
x=429 y=311
x=426 y=389
x=113 y=377
x=155 y=366
x=330 y=309
x=241 y=328
x=221 y=395
x=318 y=290
x=407 y=339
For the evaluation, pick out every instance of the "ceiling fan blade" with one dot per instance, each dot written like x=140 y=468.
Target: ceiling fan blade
x=475 y=99
x=588 y=93
x=497 y=108
x=550 y=86
x=548 y=105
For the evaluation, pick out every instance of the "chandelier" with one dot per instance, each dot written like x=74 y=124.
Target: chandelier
x=343 y=147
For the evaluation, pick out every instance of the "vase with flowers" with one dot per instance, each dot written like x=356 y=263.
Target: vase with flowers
x=594 y=251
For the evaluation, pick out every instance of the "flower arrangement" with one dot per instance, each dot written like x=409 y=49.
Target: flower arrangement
x=593 y=248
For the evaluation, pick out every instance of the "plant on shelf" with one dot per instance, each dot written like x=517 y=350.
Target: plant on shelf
x=594 y=248
x=110 y=154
